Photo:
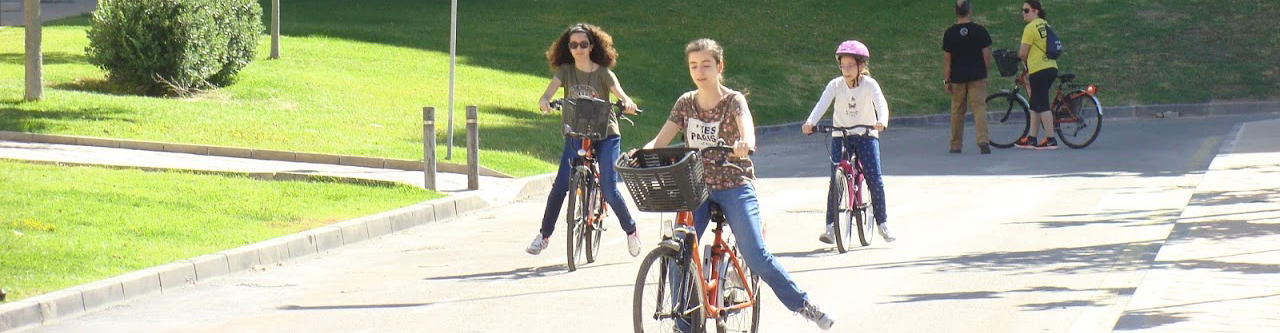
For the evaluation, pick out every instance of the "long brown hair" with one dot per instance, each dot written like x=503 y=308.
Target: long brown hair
x=602 y=51
x=1035 y=4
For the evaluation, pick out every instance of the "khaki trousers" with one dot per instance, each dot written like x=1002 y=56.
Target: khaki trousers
x=976 y=93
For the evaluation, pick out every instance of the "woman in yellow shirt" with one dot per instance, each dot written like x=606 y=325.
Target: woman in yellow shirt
x=1043 y=71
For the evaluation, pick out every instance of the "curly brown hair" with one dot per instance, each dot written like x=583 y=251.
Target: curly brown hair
x=602 y=51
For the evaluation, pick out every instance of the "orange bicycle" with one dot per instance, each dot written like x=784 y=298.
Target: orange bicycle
x=1077 y=115
x=679 y=287
x=586 y=208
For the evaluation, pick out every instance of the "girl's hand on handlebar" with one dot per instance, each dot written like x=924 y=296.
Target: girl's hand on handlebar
x=880 y=127
x=741 y=150
x=807 y=128
x=628 y=107
x=544 y=105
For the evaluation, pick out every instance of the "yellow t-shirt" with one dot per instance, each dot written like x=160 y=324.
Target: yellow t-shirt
x=1036 y=34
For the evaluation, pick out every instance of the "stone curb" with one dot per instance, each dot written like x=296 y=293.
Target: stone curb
x=261 y=154
x=1108 y=112
x=63 y=304
x=281 y=176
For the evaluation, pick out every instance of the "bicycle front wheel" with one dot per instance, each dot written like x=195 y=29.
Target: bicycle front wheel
x=575 y=217
x=1011 y=113
x=842 y=227
x=596 y=230
x=862 y=212
x=1081 y=121
x=667 y=295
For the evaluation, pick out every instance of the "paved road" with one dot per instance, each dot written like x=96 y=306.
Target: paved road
x=1016 y=241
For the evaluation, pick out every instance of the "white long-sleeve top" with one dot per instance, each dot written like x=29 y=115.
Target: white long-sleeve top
x=863 y=105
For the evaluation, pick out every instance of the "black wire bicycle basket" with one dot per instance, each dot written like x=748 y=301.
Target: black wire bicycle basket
x=590 y=117
x=664 y=179
x=1007 y=61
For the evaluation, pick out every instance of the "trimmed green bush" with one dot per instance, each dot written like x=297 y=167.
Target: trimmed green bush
x=174 y=46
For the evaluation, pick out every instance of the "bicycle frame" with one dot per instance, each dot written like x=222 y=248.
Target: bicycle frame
x=718 y=249
x=586 y=161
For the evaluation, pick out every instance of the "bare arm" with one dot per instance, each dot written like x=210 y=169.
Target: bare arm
x=747 y=127
x=665 y=135
x=629 y=107
x=946 y=72
x=544 y=103
x=1024 y=51
x=986 y=57
x=946 y=66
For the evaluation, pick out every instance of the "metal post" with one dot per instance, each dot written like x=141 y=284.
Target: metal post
x=429 y=147
x=275 y=29
x=453 y=60
x=473 y=150
x=35 y=60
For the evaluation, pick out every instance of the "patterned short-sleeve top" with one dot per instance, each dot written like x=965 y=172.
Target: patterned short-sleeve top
x=704 y=128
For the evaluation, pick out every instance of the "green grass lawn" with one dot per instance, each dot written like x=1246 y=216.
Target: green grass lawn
x=63 y=226
x=354 y=78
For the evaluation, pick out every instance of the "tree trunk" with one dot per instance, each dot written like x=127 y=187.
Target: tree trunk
x=35 y=61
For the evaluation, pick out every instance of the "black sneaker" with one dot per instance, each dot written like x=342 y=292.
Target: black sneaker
x=1026 y=142
x=1049 y=143
x=985 y=148
x=955 y=150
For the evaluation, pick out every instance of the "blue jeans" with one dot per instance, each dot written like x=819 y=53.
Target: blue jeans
x=742 y=211
x=606 y=152
x=867 y=150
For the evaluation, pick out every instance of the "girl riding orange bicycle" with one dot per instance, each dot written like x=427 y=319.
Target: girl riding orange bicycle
x=581 y=58
x=712 y=114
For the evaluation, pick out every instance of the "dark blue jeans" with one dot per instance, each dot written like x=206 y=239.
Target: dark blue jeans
x=867 y=150
x=741 y=209
x=606 y=152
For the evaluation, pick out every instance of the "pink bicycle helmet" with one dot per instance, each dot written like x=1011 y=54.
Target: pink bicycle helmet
x=853 y=48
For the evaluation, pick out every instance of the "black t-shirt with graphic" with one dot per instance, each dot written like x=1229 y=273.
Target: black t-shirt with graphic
x=965 y=43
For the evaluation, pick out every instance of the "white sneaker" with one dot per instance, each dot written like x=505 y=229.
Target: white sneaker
x=811 y=312
x=829 y=236
x=537 y=246
x=633 y=243
x=884 y=232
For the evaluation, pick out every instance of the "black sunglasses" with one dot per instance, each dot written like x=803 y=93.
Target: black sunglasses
x=576 y=45
x=1026 y=10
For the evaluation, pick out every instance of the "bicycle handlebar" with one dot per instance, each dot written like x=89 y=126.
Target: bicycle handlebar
x=845 y=130
x=617 y=106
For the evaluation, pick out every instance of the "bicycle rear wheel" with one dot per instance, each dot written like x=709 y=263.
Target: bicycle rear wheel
x=733 y=292
x=667 y=295
x=1011 y=113
x=863 y=213
x=1081 y=131
x=575 y=218
x=842 y=227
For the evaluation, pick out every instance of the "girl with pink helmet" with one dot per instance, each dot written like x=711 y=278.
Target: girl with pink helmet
x=858 y=100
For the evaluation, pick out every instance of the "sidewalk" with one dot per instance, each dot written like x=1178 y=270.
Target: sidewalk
x=1219 y=270
x=11 y=11
x=143 y=159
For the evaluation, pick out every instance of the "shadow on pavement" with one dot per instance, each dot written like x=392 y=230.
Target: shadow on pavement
x=409 y=305
x=520 y=273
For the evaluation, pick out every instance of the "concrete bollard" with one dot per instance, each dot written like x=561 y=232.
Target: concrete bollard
x=429 y=147
x=473 y=149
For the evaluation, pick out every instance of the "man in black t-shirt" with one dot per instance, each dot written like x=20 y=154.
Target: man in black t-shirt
x=966 y=56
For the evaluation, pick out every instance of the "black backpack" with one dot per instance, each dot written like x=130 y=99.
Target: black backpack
x=1054 y=45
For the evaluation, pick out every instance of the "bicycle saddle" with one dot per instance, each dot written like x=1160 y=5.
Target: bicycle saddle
x=1066 y=77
